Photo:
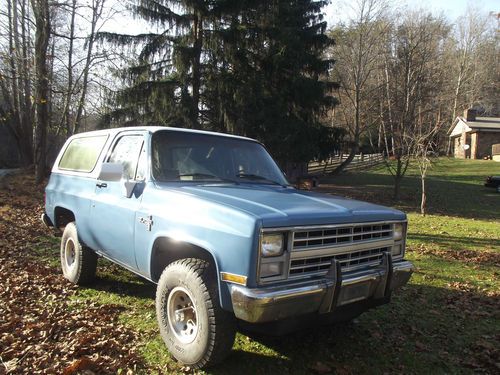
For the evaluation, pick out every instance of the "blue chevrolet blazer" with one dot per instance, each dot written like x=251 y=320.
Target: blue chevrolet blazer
x=211 y=219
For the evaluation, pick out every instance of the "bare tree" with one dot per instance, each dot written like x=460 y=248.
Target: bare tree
x=68 y=95
x=411 y=84
x=424 y=148
x=357 y=53
x=15 y=79
x=41 y=12
x=97 y=8
x=470 y=36
x=47 y=61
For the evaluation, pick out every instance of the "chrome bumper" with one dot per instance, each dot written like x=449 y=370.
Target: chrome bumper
x=46 y=220
x=323 y=296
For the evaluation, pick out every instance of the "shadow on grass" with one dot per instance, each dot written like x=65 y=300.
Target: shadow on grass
x=138 y=289
x=423 y=330
x=446 y=194
x=116 y=280
x=454 y=241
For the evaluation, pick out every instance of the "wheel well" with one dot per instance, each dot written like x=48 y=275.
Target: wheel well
x=62 y=216
x=166 y=251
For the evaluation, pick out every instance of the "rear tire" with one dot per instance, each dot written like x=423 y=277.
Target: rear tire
x=78 y=262
x=195 y=329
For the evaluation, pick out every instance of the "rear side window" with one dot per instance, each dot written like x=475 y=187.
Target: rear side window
x=82 y=153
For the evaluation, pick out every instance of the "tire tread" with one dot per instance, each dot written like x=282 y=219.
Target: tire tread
x=222 y=324
x=87 y=263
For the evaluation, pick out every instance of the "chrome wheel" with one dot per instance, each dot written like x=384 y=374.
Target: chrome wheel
x=182 y=315
x=69 y=253
x=78 y=263
x=197 y=332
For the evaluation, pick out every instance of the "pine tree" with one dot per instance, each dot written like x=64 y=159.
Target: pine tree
x=251 y=67
x=164 y=84
x=265 y=81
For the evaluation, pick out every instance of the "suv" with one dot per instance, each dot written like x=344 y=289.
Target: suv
x=211 y=219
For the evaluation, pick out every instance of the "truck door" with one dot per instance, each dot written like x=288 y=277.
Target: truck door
x=112 y=217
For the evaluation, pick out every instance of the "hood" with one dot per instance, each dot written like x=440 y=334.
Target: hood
x=278 y=206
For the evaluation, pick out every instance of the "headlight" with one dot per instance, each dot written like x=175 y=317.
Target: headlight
x=272 y=245
x=273 y=258
x=271 y=269
x=396 y=250
x=398 y=231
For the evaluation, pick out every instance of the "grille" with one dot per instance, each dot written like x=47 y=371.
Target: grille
x=348 y=261
x=317 y=238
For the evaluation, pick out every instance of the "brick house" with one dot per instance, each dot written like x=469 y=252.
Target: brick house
x=478 y=133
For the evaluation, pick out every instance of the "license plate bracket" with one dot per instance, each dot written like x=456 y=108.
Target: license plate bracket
x=354 y=292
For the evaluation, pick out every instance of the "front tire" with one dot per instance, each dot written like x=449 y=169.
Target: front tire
x=197 y=332
x=78 y=262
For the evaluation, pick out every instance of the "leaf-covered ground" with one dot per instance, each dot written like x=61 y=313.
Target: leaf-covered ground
x=446 y=320
x=42 y=328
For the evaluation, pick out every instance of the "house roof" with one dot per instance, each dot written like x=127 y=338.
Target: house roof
x=485 y=122
x=481 y=123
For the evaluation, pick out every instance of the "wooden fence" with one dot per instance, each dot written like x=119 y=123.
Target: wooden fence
x=360 y=161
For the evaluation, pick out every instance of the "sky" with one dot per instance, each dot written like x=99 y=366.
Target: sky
x=452 y=9
x=455 y=8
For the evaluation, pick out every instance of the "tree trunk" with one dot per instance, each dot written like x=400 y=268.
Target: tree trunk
x=389 y=110
x=398 y=176
x=15 y=120
x=15 y=52
x=27 y=115
x=327 y=161
x=343 y=165
x=97 y=7
x=42 y=36
x=423 y=200
x=397 y=188
x=65 y=118
x=357 y=131
x=197 y=46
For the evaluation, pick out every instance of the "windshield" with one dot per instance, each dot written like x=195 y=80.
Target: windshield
x=183 y=156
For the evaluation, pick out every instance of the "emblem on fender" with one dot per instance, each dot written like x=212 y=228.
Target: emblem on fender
x=148 y=221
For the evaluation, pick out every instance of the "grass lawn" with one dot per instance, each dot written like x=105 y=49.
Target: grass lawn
x=446 y=320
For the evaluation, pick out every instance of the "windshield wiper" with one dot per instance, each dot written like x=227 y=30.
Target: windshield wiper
x=205 y=176
x=251 y=176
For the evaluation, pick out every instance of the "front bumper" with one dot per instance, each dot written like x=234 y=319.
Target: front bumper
x=323 y=296
x=46 y=220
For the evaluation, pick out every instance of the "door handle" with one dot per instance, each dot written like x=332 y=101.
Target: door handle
x=101 y=185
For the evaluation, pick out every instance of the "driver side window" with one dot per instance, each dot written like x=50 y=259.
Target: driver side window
x=127 y=151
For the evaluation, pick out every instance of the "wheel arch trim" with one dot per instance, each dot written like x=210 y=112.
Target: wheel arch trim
x=196 y=247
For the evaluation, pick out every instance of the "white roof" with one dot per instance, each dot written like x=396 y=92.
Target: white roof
x=485 y=123
x=154 y=129
x=461 y=125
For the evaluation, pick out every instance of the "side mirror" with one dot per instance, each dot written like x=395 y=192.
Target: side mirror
x=128 y=188
x=111 y=172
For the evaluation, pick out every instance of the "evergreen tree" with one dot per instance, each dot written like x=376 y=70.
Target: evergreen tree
x=265 y=81
x=164 y=84
x=251 y=67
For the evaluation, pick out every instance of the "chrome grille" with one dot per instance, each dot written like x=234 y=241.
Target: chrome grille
x=338 y=236
x=349 y=261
